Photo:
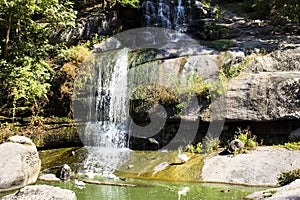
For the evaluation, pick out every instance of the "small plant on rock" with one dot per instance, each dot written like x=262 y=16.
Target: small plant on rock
x=194 y=148
x=292 y=145
x=248 y=139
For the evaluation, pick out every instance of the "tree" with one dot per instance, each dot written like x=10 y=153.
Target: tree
x=24 y=27
x=133 y=3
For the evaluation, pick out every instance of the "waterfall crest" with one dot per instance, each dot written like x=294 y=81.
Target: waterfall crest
x=168 y=14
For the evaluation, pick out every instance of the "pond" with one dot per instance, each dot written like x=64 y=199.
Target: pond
x=147 y=185
x=150 y=190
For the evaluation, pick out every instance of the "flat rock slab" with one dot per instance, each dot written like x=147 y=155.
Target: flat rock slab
x=43 y=192
x=259 y=167
x=49 y=178
x=288 y=192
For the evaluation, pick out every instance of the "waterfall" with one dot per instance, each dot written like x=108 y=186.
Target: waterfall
x=103 y=111
x=167 y=14
x=106 y=129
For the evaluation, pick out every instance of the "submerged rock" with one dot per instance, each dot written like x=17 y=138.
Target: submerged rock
x=44 y=192
x=49 y=178
x=19 y=163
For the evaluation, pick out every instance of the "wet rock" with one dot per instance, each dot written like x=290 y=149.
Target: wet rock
x=19 y=163
x=49 y=178
x=235 y=145
x=64 y=172
x=88 y=25
x=295 y=135
x=44 y=192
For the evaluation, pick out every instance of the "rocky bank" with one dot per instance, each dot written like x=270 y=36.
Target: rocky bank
x=258 y=167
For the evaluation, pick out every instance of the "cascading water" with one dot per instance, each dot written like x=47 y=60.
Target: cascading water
x=101 y=102
x=168 y=14
x=104 y=134
x=107 y=105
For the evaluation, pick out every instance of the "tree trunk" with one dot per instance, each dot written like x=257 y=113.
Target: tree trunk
x=8 y=21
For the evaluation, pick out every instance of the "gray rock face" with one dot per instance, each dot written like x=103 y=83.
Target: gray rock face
x=282 y=60
x=288 y=192
x=91 y=24
x=44 y=192
x=295 y=135
x=268 y=90
x=19 y=163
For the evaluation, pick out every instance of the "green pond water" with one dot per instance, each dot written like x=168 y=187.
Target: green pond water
x=146 y=187
x=157 y=190
x=176 y=184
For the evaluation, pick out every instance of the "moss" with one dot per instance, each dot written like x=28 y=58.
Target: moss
x=223 y=44
x=45 y=132
x=142 y=56
x=143 y=165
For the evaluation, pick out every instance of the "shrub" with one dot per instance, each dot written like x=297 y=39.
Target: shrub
x=247 y=138
x=194 y=148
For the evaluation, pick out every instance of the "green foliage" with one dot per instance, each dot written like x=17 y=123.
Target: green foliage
x=288 y=177
x=194 y=148
x=292 y=145
x=269 y=9
x=132 y=3
x=147 y=96
x=248 y=139
x=223 y=44
x=25 y=26
x=210 y=145
x=75 y=54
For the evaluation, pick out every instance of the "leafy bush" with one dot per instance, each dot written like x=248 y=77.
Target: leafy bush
x=24 y=73
x=271 y=9
x=132 y=3
x=194 y=148
x=247 y=138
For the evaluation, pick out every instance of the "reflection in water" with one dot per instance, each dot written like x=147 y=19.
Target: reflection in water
x=158 y=190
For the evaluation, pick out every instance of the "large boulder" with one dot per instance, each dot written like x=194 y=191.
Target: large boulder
x=19 y=163
x=258 y=167
x=44 y=192
x=268 y=90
